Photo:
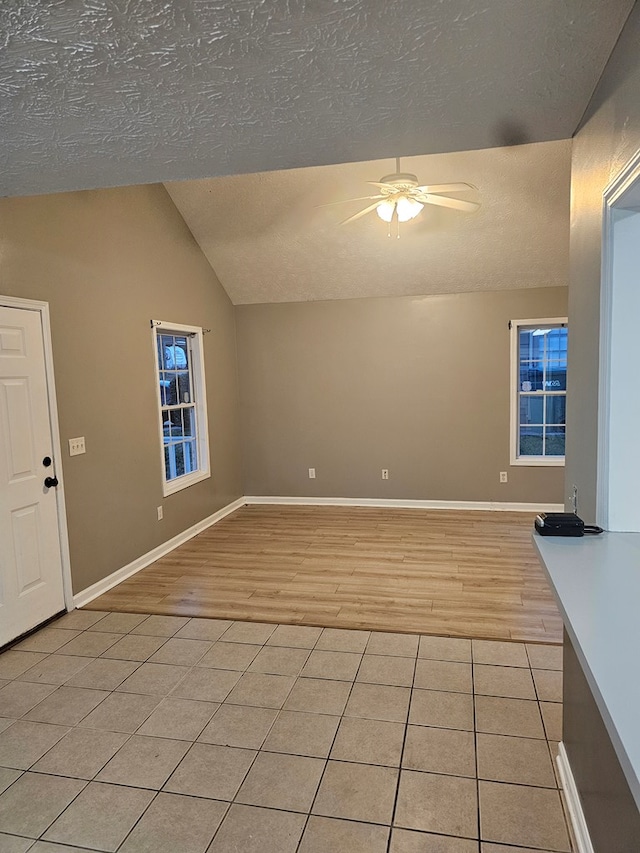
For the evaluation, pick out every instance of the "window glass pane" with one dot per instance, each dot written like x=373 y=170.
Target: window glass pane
x=189 y=422
x=190 y=456
x=531 y=409
x=174 y=352
x=556 y=377
x=555 y=441
x=531 y=376
x=530 y=441
x=184 y=387
x=556 y=410
x=167 y=466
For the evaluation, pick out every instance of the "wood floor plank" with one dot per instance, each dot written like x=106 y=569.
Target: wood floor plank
x=464 y=574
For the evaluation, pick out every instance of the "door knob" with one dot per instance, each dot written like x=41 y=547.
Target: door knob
x=50 y=481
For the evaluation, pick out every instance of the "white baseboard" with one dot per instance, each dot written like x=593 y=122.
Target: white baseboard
x=96 y=589
x=574 y=806
x=405 y=504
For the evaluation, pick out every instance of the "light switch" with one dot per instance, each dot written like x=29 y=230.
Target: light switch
x=76 y=446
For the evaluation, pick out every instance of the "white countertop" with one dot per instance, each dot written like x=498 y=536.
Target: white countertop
x=596 y=581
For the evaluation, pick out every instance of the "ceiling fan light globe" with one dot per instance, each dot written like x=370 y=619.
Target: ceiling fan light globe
x=408 y=208
x=385 y=210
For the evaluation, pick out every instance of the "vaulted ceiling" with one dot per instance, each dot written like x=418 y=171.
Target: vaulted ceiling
x=212 y=97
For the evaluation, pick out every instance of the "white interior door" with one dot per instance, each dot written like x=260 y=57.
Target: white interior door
x=31 y=580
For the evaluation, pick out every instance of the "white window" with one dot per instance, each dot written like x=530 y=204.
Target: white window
x=182 y=404
x=538 y=391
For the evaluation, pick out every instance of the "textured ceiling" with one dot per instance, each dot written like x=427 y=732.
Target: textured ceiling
x=269 y=242
x=111 y=92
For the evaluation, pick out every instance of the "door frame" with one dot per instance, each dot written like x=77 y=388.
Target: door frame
x=628 y=178
x=63 y=532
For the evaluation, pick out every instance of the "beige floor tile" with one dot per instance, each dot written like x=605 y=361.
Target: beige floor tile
x=441 y=709
x=552 y=719
x=378 y=702
x=103 y=674
x=487 y=847
x=445 y=648
x=499 y=653
x=119 y=623
x=153 y=679
x=548 y=685
x=437 y=750
x=134 y=647
x=34 y=801
x=387 y=669
x=544 y=657
x=394 y=645
x=160 y=626
x=437 y=804
x=100 y=817
x=522 y=816
x=517 y=717
x=239 y=725
x=523 y=761
x=234 y=656
x=211 y=771
x=443 y=675
x=175 y=823
x=81 y=754
x=318 y=696
x=341 y=666
x=273 y=660
x=357 y=792
x=294 y=636
x=248 y=829
x=46 y=640
x=7 y=777
x=181 y=652
x=13 y=663
x=91 y=644
x=79 y=620
x=204 y=629
x=369 y=741
x=279 y=781
x=206 y=685
x=181 y=719
x=5 y=722
x=55 y=669
x=19 y=697
x=256 y=633
x=340 y=640
x=13 y=844
x=262 y=691
x=300 y=733
x=407 y=841
x=330 y=835
x=66 y=706
x=121 y=712
x=23 y=743
x=506 y=681
x=144 y=762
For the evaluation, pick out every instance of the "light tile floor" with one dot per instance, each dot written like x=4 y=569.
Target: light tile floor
x=163 y=734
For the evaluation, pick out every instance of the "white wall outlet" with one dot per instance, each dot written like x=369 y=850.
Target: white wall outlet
x=574 y=499
x=160 y=513
x=504 y=478
x=312 y=473
x=76 y=446
x=385 y=473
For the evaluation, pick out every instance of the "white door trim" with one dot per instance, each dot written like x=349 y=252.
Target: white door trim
x=63 y=532
x=611 y=197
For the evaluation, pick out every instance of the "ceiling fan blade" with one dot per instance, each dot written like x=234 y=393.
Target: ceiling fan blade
x=345 y=200
x=443 y=201
x=360 y=213
x=446 y=188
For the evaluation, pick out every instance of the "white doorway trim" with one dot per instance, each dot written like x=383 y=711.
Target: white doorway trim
x=63 y=532
x=621 y=196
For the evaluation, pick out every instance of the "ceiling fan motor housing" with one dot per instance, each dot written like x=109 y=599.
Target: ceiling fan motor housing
x=401 y=180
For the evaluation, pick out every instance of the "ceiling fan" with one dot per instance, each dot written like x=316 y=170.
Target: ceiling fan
x=401 y=197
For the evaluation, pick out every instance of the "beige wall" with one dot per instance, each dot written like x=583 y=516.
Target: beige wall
x=108 y=261
x=419 y=385
x=608 y=138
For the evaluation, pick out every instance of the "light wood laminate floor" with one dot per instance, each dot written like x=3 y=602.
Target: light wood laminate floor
x=464 y=574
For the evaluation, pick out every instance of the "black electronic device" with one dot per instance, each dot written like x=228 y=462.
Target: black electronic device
x=563 y=524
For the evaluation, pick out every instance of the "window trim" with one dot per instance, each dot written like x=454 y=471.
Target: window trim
x=527 y=461
x=203 y=472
